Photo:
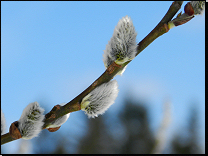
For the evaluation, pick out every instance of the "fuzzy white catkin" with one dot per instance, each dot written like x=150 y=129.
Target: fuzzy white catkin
x=60 y=121
x=3 y=123
x=31 y=121
x=122 y=46
x=100 y=99
x=198 y=6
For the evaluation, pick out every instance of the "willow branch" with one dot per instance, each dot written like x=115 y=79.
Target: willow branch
x=161 y=27
x=111 y=71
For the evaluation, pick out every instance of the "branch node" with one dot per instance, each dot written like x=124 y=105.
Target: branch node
x=94 y=84
x=112 y=67
x=166 y=27
x=56 y=107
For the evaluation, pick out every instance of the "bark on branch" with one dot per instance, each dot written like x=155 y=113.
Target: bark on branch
x=111 y=71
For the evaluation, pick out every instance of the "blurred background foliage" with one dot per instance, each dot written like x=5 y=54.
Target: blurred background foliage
x=127 y=132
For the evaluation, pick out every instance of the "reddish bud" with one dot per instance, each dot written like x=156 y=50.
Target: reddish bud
x=189 y=9
x=53 y=129
x=14 y=131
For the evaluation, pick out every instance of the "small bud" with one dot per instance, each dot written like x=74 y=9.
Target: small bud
x=122 y=46
x=55 y=125
x=189 y=9
x=31 y=121
x=14 y=131
x=3 y=123
x=182 y=19
x=53 y=129
x=100 y=99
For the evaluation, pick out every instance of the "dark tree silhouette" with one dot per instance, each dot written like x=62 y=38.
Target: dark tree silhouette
x=97 y=139
x=137 y=137
x=186 y=142
x=126 y=133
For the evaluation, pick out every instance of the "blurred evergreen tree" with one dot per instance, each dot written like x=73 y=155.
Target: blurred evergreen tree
x=137 y=137
x=187 y=141
x=97 y=140
x=52 y=143
x=129 y=134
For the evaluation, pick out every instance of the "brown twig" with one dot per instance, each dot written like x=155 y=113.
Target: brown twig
x=113 y=69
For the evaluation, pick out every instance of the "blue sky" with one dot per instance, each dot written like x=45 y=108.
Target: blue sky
x=52 y=51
